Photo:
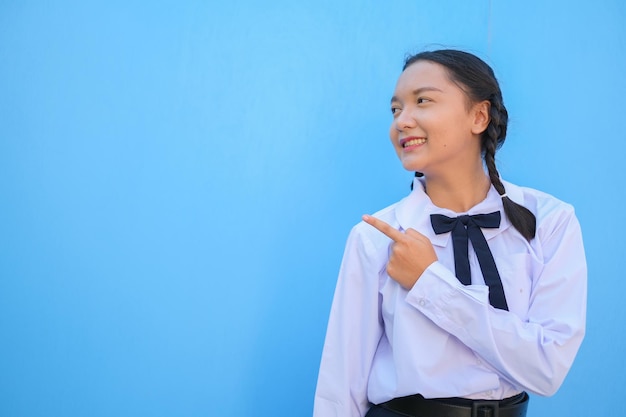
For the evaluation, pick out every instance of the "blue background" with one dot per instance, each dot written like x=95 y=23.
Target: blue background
x=177 y=181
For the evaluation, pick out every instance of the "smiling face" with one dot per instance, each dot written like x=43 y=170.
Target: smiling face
x=435 y=128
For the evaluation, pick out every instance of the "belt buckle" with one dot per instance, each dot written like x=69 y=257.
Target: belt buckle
x=486 y=409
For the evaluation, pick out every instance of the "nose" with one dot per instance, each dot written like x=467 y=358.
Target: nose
x=405 y=120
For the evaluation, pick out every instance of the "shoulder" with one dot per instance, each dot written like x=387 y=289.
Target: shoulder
x=539 y=202
x=550 y=212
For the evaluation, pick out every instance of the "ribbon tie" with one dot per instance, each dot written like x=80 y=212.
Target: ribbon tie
x=466 y=226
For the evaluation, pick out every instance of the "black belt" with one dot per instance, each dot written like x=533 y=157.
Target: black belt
x=418 y=406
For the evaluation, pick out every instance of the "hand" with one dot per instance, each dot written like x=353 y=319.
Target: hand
x=411 y=252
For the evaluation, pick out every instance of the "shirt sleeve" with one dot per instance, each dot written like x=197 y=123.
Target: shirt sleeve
x=354 y=330
x=533 y=353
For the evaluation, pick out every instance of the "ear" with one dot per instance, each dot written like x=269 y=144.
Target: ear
x=480 y=114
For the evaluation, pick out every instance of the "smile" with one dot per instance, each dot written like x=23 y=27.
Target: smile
x=413 y=142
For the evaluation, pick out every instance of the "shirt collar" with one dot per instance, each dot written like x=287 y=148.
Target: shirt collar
x=414 y=211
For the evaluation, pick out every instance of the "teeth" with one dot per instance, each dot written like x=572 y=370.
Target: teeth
x=414 y=142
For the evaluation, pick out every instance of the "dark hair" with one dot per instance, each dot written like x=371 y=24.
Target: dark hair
x=479 y=82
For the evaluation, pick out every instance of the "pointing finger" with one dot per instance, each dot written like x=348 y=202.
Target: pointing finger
x=384 y=228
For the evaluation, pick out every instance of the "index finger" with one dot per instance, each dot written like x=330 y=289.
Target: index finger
x=384 y=228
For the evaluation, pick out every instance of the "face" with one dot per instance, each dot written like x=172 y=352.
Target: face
x=435 y=129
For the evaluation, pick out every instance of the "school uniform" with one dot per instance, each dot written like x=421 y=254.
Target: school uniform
x=442 y=338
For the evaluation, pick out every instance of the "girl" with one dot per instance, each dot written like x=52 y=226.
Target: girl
x=470 y=291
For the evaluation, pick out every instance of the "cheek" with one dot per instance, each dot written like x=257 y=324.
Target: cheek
x=393 y=134
x=428 y=120
x=393 y=138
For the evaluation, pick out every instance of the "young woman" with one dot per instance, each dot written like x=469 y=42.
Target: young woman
x=470 y=291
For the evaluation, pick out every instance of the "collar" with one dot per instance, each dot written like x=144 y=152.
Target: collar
x=414 y=211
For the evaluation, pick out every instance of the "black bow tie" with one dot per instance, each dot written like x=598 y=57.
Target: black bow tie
x=466 y=226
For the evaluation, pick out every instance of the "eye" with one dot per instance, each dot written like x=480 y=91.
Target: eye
x=422 y=100
x=395 y=110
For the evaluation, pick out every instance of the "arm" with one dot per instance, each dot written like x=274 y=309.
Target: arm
x=354 y=330
x=533 y=353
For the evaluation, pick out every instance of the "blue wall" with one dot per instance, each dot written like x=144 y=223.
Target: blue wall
x=177 y=180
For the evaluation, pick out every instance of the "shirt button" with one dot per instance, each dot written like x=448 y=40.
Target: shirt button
x=422 y=302
x=489 y=393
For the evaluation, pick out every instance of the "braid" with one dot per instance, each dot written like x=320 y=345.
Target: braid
x=521 y=218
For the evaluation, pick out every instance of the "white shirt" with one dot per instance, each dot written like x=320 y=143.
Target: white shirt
x=444 y=339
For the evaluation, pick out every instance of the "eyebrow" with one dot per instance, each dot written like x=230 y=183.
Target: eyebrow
x=419 y=91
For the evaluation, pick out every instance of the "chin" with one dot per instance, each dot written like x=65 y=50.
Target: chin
x=412 y=166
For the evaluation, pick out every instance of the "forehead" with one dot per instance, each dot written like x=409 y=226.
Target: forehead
x=425 y=74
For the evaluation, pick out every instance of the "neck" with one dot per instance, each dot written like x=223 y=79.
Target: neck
x=458 y=191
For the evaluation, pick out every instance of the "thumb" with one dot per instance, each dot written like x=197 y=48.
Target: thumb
x=413 y=233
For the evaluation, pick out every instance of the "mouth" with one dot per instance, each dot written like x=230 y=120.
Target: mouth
x=412 y=141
